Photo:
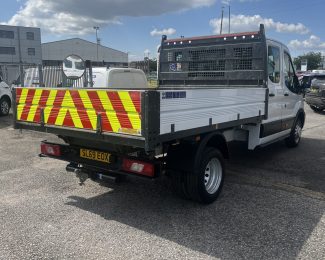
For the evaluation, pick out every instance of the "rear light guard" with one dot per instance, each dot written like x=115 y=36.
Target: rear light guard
x=138 y=167
x=51 y=149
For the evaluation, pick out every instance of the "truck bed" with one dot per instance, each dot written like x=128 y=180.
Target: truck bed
x=142 y=119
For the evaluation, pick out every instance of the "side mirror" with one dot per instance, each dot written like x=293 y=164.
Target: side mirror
x=74 y=67
x=299 y=87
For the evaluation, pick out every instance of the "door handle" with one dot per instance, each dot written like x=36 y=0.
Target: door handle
x=271 y=95
x=286 y=94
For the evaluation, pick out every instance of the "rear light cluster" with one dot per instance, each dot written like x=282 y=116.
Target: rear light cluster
x=138 y=167
x=50 y=149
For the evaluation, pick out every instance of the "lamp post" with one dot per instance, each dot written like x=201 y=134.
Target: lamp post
x=96 y=28
x=129 y=62
x=221 y=25
x=229 y=18
x=146 y=55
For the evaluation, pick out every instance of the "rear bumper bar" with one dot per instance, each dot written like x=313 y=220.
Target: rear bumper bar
x=97 y=169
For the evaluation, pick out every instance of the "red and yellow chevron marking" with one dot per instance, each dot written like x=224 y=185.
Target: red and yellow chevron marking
x=120 y=110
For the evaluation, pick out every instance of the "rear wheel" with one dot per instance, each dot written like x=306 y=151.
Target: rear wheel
x=4 y=106
x=179 y=162
x=209 y=177
x=201 y=182
x=295 y=136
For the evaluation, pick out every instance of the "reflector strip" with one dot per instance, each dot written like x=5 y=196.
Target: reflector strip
x=119 y=110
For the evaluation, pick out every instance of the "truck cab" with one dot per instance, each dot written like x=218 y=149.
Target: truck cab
x=285 y=101
x=5 y=98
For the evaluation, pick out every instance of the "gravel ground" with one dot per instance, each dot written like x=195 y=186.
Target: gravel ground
x=272 y=207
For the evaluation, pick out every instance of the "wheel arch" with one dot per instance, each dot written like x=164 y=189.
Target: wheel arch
x=177 y=154
x=302 y=116
x=216 y=140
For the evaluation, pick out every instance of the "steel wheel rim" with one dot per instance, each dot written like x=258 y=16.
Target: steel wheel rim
x=4 y=107
x=213 y=176
x=298 y=131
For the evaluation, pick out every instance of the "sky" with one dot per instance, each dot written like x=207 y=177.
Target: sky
x=136 y=26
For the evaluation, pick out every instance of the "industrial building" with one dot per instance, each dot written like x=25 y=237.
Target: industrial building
x=55 y=52
x=18 y=46
x=21 y=53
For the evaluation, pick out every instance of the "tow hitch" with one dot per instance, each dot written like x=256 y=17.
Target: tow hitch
x=83 y=175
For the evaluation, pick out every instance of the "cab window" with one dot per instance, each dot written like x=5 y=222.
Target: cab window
x=274 y=64
x=289 y=74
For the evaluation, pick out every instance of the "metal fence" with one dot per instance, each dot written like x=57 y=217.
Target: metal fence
x=9 y=72
x=51 y=76
x=32 y=75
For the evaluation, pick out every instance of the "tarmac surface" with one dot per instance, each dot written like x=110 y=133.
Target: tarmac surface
x=272 y=207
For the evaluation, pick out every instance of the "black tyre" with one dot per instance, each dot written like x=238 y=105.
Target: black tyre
x=179 y=183
x=205 y=183
x=4 y=106
x=316 y=109
x=180 y=161
x=197 y=177
x=295 y=136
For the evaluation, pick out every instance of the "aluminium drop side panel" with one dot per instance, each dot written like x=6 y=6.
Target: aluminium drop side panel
x=182 y=110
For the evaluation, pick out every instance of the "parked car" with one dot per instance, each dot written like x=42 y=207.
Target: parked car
x=307 y=79
x=315 y=97
x=5 y=98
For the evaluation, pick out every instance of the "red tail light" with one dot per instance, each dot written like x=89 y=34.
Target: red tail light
x=138 y=167
x=50 y=149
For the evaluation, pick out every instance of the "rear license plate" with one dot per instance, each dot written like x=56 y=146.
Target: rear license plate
x=314 y=90
x=95 y=155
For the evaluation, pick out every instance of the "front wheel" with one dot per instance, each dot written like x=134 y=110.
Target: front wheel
x=4 y=106
x=295 y=136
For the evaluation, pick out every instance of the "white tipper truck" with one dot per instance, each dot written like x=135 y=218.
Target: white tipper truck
x=211 y=91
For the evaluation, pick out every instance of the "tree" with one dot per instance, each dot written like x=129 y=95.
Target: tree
x=314 y=60
x=153 y=64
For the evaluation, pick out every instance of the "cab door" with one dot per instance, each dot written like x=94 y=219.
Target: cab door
x=292 y=98
x=273 y=124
